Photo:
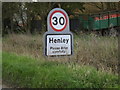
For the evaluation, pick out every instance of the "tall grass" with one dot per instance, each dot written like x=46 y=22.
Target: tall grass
x=100 y=52
x=25 y=72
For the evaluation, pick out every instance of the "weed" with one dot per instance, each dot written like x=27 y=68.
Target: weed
x=100 y=52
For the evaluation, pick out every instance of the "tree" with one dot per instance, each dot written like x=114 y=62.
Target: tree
x=44 y=8
x=106 y=6
x=8 y=10
x=34 y=8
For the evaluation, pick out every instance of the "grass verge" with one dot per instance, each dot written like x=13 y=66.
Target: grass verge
x=97 y=51
x=24 y=72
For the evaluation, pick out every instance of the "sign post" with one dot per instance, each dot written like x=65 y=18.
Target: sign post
x=58 y=39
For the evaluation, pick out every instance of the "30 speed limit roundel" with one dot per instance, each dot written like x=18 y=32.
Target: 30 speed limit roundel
x=58 y=20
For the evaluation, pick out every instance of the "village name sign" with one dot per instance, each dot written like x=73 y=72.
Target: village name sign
x=58 y=40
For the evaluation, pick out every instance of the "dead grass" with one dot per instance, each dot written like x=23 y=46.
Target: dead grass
x=100 y=52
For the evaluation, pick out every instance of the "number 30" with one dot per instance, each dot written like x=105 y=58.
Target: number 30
x=61 y=21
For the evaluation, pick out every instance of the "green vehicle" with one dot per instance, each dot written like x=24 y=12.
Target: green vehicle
x=106 y=23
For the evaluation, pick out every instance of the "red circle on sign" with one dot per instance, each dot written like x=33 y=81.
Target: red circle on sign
x=65 y=19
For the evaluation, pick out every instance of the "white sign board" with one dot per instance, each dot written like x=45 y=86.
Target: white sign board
x=59 y=45
x=58 y=39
